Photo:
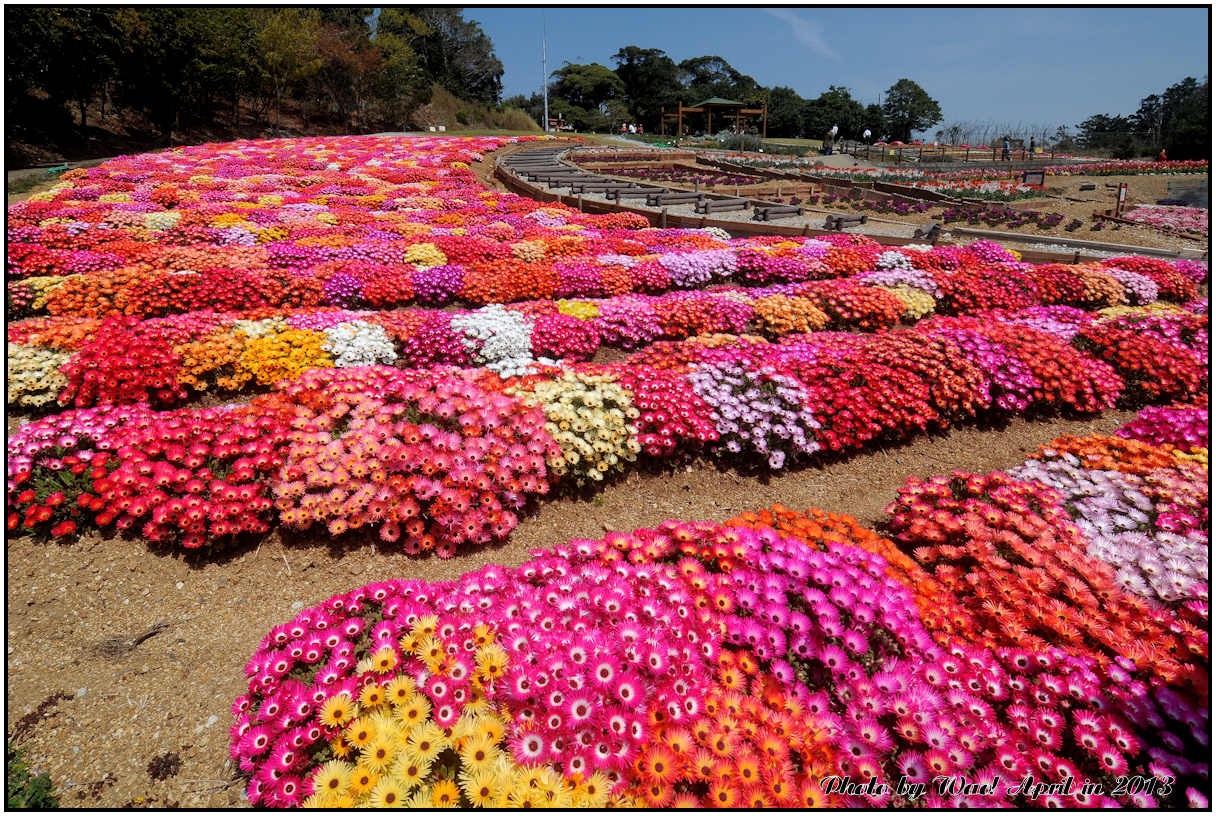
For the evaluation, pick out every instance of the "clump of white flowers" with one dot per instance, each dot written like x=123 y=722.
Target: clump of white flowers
x=260 y=328
x=33 y=374
x=359 y=343
x=499 y=338
x=893 y=259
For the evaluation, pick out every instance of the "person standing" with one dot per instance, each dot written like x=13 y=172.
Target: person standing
x=865 y=137
x=1005 y=149
x=1032 y=147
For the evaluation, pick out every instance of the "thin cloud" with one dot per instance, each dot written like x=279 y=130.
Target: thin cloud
x=807 y=32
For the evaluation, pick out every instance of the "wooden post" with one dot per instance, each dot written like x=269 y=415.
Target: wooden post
x=709 y=119
x=764 y=122
x=662 y=121
x=663 y=219
x=580 y=203
x=680 y=121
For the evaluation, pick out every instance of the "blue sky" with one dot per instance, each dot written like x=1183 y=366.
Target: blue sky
x=1045 y=66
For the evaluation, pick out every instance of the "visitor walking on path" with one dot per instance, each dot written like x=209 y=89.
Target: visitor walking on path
x=1005 y=150
x=1032 y=147
x=865 y=137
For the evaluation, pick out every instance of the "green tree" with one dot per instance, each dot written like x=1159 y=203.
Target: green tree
x=785 y=113
x=457 y=54
x=907 y=108
x=835 y=106
x=533 y=105
x=704 y=77
x=586 y=86
x=651 y=82
x=874 y=119
x=286 y=42
x=401 y=84
x=1187 y=119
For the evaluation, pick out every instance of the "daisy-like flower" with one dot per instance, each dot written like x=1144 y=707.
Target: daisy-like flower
x=445 y=794
x=481 y=787
x=378 y=753
x=338 y=710
x=388 y=793
x=332 y=777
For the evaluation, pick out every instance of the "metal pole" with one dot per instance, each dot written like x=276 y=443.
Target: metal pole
x=544 y=78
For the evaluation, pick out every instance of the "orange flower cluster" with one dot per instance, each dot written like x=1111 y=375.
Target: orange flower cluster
x=779 y=315
x=757 y=746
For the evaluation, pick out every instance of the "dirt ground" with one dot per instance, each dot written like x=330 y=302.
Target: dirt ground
x=120 y=725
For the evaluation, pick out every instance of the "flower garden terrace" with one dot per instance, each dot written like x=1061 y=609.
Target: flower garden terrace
x=445 y=458
x=1047 y=620
x=357 y=221
x=722 y=665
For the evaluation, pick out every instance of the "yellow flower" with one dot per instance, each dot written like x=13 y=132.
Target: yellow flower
x=332 y=777
x=399 y=689
x=379 y=753
x=445 y=794
x=388 y=793
x=414 y=710
x=338 y=710
x=481 y=788
x=425 y=741
x=362 y=780
x=360 y=732
x=479 y=752
x=410 y=771
x=372 y=696
x=384 y=660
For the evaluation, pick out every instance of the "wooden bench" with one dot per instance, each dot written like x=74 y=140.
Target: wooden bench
x=634 y=192
x=660 y=199
x=598 y=186
x=774 y=212
x=1084 y=187
x=722 y=204
x=839 y=222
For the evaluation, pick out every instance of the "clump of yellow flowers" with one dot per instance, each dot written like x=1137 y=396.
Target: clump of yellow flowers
x=591 y=418
x=393 y=753
x=917 y=302
x=283 y=355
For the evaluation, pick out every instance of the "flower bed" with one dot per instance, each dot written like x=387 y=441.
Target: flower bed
x=161 y=359
x=348 y=446
x=738 y=664
x=1185 y=219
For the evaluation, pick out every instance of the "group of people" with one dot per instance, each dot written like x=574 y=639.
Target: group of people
x=829 y=141
x=1005 y=149
x=630 y=128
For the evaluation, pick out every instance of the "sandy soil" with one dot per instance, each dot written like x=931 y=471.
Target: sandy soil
x=147 y=725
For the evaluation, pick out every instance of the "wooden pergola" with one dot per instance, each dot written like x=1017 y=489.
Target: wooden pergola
x=727 y=108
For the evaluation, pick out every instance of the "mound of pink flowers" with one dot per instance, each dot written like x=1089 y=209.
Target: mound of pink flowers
x=629 y=661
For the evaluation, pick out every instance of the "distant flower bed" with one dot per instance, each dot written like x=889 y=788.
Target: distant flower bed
x=1186 y=219
x=685 y=175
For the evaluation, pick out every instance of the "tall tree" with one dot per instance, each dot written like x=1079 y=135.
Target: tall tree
x=287 y=49
x=785 y=113
x=834 y=107
x=651 y=82
x=704 y=77
x=401 y=84
x=457 y=54
x=907 y=107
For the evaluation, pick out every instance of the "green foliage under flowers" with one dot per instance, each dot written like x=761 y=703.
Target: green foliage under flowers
x=24 y=790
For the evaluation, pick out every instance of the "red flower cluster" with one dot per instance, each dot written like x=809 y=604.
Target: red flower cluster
x=203 y=475
x=1152 y=368
x=121 y=365
x=1010 y=553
